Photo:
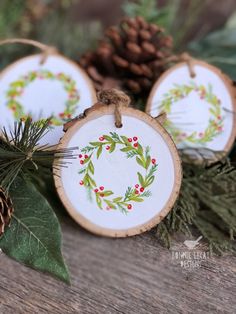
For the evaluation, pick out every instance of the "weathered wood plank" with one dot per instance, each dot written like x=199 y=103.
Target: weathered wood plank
x=133 y=275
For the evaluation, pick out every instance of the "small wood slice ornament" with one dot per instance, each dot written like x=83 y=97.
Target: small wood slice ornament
x=123 y=180
x=55 y=88
x=200 y=107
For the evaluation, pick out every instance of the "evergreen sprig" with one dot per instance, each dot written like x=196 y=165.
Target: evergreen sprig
x=207 y=201
x=21 y=153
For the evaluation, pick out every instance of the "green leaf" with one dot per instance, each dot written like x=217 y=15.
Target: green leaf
x=95 y=144
x=125 y=139
x=108 y=138
x=86 y=160
x=149 y=181
x=99 y=151
x=139 y=161
x=137 y=199
x=110 y=204
x=112 y=148
x=141 y=179
x=107 y=193
x=140 y=149
x=91 y=167
x=148 y=161
x=92 y=182
x=126 y=149
x=99 y=202
x=34 y=237
x=117 y=199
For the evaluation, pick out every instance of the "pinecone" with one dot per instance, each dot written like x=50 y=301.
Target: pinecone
x=132 y=56
x=6 y=210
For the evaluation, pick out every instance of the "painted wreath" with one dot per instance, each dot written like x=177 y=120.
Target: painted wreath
x=215 y=123
x=17 y=88
x=132 y=148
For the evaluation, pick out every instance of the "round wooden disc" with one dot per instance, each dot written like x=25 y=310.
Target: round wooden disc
x=58 y=88
x=200 y=110
x=140 y=174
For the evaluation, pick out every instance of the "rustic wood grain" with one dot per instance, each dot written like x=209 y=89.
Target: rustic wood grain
x=132 y=275
x=77 y=213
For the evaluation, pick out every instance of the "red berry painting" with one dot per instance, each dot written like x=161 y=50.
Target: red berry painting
x=132 y=149
x=199 y=109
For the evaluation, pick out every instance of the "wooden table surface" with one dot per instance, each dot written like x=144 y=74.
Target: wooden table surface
x=133 y=275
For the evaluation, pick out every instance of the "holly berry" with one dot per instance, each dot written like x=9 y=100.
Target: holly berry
x=130 y=139
x=108 y=147
x=85 y=156
x=136 y=192
x=219 y=128
x=96 y=190
x=153 y=161
x=80 y=155
x=135 y=144
x=102 y=194
x=137 y=186
x=101 y=138
x=135 y=138
x=101 y=188
x=81 y=162
x=81 y=182
x=61 y=115
x=219 y=117
x=108 y=208
x=129 y=206
x=141 y=189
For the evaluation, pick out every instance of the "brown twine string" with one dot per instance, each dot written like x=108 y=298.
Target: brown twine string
x=184 y=57
x=117 y=98
x=46 y=50
x=105 y=98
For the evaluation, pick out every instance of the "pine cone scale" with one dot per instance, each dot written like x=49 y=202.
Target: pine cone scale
x=133 y=54
x=6 y=210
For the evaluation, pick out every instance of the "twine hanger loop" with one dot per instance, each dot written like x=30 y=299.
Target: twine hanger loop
x=46 y=50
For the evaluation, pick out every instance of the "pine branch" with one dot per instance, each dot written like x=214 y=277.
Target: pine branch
x=20 y=152
x=207 y=201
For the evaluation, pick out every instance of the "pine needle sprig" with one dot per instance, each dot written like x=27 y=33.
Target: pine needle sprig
x=20 y=151
x=207 y=201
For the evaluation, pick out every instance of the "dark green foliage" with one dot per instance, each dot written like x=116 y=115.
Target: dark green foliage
x=219 y=48
x=208 y=202
x=20 y=152
x=149 y=10
x=170 y=16
x=50 y=22
x=34 y=236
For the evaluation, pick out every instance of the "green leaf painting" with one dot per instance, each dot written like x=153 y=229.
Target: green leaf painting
x=132 y=148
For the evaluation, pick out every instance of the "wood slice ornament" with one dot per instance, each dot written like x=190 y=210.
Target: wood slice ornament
x=41 y=86
x=199 y=101
x=126 y=173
